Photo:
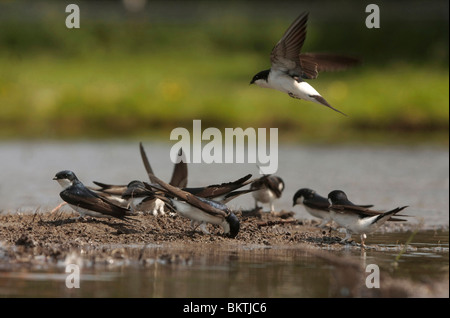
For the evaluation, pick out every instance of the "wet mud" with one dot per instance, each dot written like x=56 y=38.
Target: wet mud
x=42 y=239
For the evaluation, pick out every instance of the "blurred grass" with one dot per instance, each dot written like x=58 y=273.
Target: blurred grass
x=128 y=79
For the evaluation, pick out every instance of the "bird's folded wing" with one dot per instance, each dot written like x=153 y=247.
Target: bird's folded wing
x=361 y=211
x=109 y=188
x=234 y=194
x=137 y=192
x=274 y=185
x=94 y=203
x=215 y=190
x=205 y=205
x=319 y=205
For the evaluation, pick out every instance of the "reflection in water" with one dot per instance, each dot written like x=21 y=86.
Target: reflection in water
x=251 y=271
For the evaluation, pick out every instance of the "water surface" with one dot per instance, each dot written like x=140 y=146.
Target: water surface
x=385 y=176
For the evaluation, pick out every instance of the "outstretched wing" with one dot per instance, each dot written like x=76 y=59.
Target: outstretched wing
x=285 y=54
x=313 y=63
x=180 y=172
x=147 y=166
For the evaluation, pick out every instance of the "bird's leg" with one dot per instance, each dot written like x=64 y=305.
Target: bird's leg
x=58 y=207
x=161 y=209
x=202 y=225
x=194 y=224
x=348 y=235
x=363 y=238
x=323 y=223
x=272 y=208
x=203 y=228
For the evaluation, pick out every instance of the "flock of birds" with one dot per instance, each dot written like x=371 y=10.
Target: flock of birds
x=208 y=204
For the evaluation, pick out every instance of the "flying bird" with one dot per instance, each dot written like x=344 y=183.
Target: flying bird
x=289 y=68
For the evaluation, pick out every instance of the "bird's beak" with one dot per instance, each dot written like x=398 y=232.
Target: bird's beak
x=55 y=178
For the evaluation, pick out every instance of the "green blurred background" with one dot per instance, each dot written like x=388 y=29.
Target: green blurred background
x=138 y=69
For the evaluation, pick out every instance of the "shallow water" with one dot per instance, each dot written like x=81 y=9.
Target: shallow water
x=385 y=176
x=250 y=271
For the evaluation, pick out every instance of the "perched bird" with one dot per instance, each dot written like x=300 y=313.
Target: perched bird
x=199 y=210
x=356 y=219
x=267 y=189
x=85 y=201
x=142 y=199
x=289 y=67
x=316 y=205
x=135 y=195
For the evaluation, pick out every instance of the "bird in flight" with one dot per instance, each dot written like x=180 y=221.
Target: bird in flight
x=290 y=68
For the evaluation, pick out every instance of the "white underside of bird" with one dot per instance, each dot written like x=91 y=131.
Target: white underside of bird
x=358 y=225
x=282 y=82
x=199 y=217
x=154 y=207
x=324 y=215
x=265 y=196
x=83 y=212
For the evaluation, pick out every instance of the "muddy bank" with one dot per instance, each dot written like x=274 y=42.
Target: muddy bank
x=44 y=230
x=50 y=237
x=63 y=230
x=46 y=240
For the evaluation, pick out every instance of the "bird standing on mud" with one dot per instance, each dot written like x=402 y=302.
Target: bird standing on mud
x=267 y=189
x=356 y=219
x=85 y=201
